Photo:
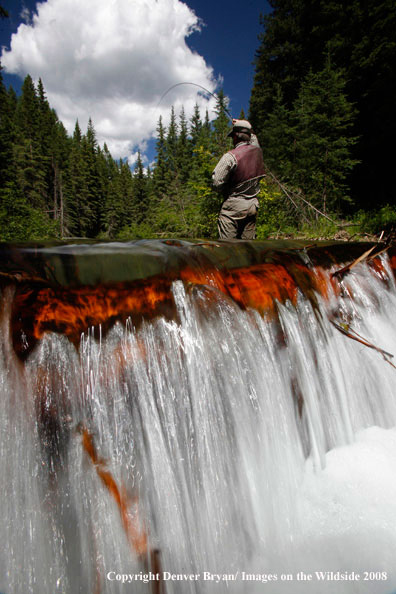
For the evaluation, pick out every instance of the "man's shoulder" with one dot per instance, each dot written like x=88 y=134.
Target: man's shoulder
x=244 y=147
x=228 y=156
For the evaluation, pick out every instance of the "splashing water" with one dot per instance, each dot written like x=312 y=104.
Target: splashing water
x=253 y=453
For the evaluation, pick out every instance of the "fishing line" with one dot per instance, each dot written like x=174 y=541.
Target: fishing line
x=214 y=95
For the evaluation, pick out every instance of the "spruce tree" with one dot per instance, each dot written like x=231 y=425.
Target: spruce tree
x=323 y=120
x=94 y=189
x=111 y=216
x=183 y=151
x=171 y=146
x=221 y=126
x=278 y=138
x=140 y=191
x=78 y=211
x=160 y=167
x=30 y=161
x=6 y=135
x=195 y=126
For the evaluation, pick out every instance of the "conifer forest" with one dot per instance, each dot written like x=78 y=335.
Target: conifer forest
x=322 y=105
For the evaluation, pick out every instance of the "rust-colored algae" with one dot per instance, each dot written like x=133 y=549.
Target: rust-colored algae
x=260 y=286
x=136 y=535
x=73 y=311
x=38 y=309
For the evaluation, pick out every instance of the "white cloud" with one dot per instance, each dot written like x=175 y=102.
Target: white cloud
x=25 y=15
x=112 y=60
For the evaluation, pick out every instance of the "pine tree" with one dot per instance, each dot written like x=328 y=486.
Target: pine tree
x=171 y=146
x=278 y=138
x=203 y=207
x=6 y=135
x=205 y=137
x=160 y=168
x=60 y=149
x=111 y=216
x=29 y=160
x=127 y=209
x=221 y=126
x=78 y=211
x=95 y=194
x=183 y=151
x=27 y=112
x=324 y=117
x=195 y=126
x=50 y=150
x=141 y=198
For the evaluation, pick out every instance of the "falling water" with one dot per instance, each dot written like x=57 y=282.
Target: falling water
x=247 y=445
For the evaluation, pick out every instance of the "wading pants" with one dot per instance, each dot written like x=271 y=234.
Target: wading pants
x=237 y=218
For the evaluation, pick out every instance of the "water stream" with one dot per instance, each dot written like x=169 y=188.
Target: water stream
x=253 y=452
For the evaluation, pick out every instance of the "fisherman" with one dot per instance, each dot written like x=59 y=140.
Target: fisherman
x=237 y=176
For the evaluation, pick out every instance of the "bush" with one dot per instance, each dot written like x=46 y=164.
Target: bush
x=21 y=222
x=272 y=216
x=375 y=222
x=134 y=231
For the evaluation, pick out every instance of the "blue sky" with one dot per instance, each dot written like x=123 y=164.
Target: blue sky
x=116 y=69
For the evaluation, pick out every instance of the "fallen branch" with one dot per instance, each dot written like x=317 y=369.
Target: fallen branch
x=379 y=253
x=289 y=193
x=346 y=331
x=22 y=277
x=136 y=535
x=285 y=190
x=343 y=271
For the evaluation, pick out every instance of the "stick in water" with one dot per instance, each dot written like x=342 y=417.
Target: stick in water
x=136 y=534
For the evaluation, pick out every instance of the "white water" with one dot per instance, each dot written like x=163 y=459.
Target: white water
x=199 y=420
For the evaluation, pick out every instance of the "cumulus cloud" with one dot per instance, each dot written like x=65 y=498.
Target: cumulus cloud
x=112 y=60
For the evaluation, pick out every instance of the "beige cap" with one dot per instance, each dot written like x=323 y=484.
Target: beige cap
x=241 y=126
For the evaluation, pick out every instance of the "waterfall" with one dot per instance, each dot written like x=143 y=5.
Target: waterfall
x=223 y=448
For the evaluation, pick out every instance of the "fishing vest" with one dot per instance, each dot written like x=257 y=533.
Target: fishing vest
x=250 y=163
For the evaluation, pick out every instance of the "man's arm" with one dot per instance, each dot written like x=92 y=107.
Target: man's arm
x=254 y=140
x=222 y=171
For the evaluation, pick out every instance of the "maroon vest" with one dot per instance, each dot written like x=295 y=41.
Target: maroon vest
x=249 y=163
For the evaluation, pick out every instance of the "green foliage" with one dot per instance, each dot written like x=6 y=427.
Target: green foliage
x=272 y=217
x=374 y=222
x=19 y=221
x=221 y=126
x=297 y=37
x=319 y=228
x=160 y=169
x=322 y=118
x=7 y=134
x=140 y=186
x=135 y=231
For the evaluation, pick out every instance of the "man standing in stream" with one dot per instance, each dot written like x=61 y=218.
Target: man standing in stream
x=237 y=176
